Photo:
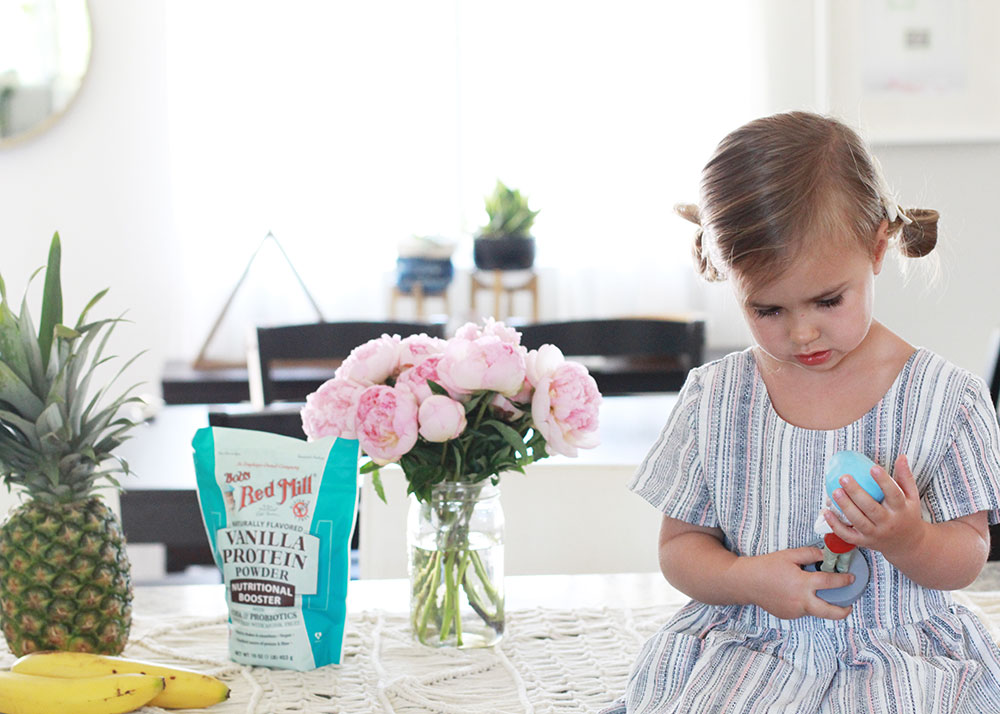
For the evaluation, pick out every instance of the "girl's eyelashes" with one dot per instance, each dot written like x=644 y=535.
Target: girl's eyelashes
x=762 y=311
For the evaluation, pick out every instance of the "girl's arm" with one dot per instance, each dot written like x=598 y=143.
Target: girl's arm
x=943 y=556
x=694 y=560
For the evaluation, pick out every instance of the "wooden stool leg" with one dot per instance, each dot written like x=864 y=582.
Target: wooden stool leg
x=534 y=297
x=418 y=297
x=497 y=292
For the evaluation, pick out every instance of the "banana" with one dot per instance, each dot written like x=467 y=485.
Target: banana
x=184 y=688
x=110 y=694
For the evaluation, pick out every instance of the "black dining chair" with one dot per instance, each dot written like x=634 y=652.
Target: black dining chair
x=283 y=419
x=309 y=354
x=626 y=355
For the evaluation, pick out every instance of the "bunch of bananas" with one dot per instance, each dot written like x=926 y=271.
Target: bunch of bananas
x=60 y=682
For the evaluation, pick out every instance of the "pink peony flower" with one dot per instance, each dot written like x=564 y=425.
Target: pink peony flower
x=484 y=363
x=441 y=418
x=373 y=362
x=566 y=402
x=542 y=362
x=331 y=409
x=381 y=396
x=469 y=331
x=413 y=350
x=415 y=378
x=386 y=422
x=499 y=329
x=472 y=331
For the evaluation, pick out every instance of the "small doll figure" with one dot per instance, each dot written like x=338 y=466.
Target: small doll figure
x=838 y=553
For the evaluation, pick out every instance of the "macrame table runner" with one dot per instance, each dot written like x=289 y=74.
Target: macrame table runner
x=549 y=661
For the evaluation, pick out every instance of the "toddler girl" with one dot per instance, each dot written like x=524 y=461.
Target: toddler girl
x=794 y=212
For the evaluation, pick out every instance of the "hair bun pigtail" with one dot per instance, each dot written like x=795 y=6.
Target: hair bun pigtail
x=919 y=237
x=702 y=263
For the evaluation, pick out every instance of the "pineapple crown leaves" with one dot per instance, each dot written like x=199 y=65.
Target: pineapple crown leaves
x=53 y=440
x=508 y=213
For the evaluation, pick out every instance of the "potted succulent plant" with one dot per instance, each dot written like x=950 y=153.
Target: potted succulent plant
x=506 y=243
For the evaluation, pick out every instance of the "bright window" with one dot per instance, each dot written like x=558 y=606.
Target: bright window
x=346 y=127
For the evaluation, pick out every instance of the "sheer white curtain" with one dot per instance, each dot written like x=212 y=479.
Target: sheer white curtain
x=346 y=127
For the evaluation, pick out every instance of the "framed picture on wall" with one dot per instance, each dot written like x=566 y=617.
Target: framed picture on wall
x=913 y=71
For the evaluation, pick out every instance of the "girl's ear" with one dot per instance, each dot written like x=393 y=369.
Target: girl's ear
x=881 y=245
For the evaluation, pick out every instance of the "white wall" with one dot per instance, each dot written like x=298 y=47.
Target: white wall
x=100 y=177
x=954 y=313
x=946 y=305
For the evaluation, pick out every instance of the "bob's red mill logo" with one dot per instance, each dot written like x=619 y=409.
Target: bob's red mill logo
x=281 y=490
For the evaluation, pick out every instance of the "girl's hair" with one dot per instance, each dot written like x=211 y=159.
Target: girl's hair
x=776 y=183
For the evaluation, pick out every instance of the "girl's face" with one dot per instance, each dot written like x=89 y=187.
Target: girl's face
x=820 y=309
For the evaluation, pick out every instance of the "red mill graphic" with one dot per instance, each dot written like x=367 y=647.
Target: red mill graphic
x=282 y=489
x=262 y=592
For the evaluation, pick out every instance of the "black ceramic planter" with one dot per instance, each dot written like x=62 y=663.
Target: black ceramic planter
x=507 y=253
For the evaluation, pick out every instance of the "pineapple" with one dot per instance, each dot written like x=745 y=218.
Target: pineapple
x=64 y=572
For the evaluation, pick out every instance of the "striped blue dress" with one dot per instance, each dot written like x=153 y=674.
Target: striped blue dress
x=726 y=459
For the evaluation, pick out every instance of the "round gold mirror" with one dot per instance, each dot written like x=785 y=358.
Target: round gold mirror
x=44 y=53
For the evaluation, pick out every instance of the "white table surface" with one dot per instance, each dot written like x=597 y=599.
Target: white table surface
x=522 y=592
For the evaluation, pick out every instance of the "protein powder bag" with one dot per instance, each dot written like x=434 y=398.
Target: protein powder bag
x=279 y=513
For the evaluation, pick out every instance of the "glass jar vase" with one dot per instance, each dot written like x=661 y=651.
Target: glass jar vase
x=455 y=543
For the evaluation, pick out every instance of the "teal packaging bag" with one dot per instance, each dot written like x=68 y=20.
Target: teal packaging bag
x=279 y=513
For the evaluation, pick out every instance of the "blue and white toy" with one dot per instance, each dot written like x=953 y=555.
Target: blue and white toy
x=856 y=465
x=838 y=555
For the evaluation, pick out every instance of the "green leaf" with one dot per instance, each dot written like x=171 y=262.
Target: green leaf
x=76 y=386
x=24 y=426
x=32 y=350
x=476 y=401
x=115 y=483
x=377 y=484
x=16 y=393
x=437 y=388
x=12 y=350
x=369 y=467
x=510 y=436
x=66 y=333
x=93 y=301
x=52 y=303
x=50 y=421
x=79 y=388
x=85 y=417
x=101 y=421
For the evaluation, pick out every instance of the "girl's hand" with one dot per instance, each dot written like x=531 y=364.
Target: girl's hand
x=894 y=526
x=778 y=584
